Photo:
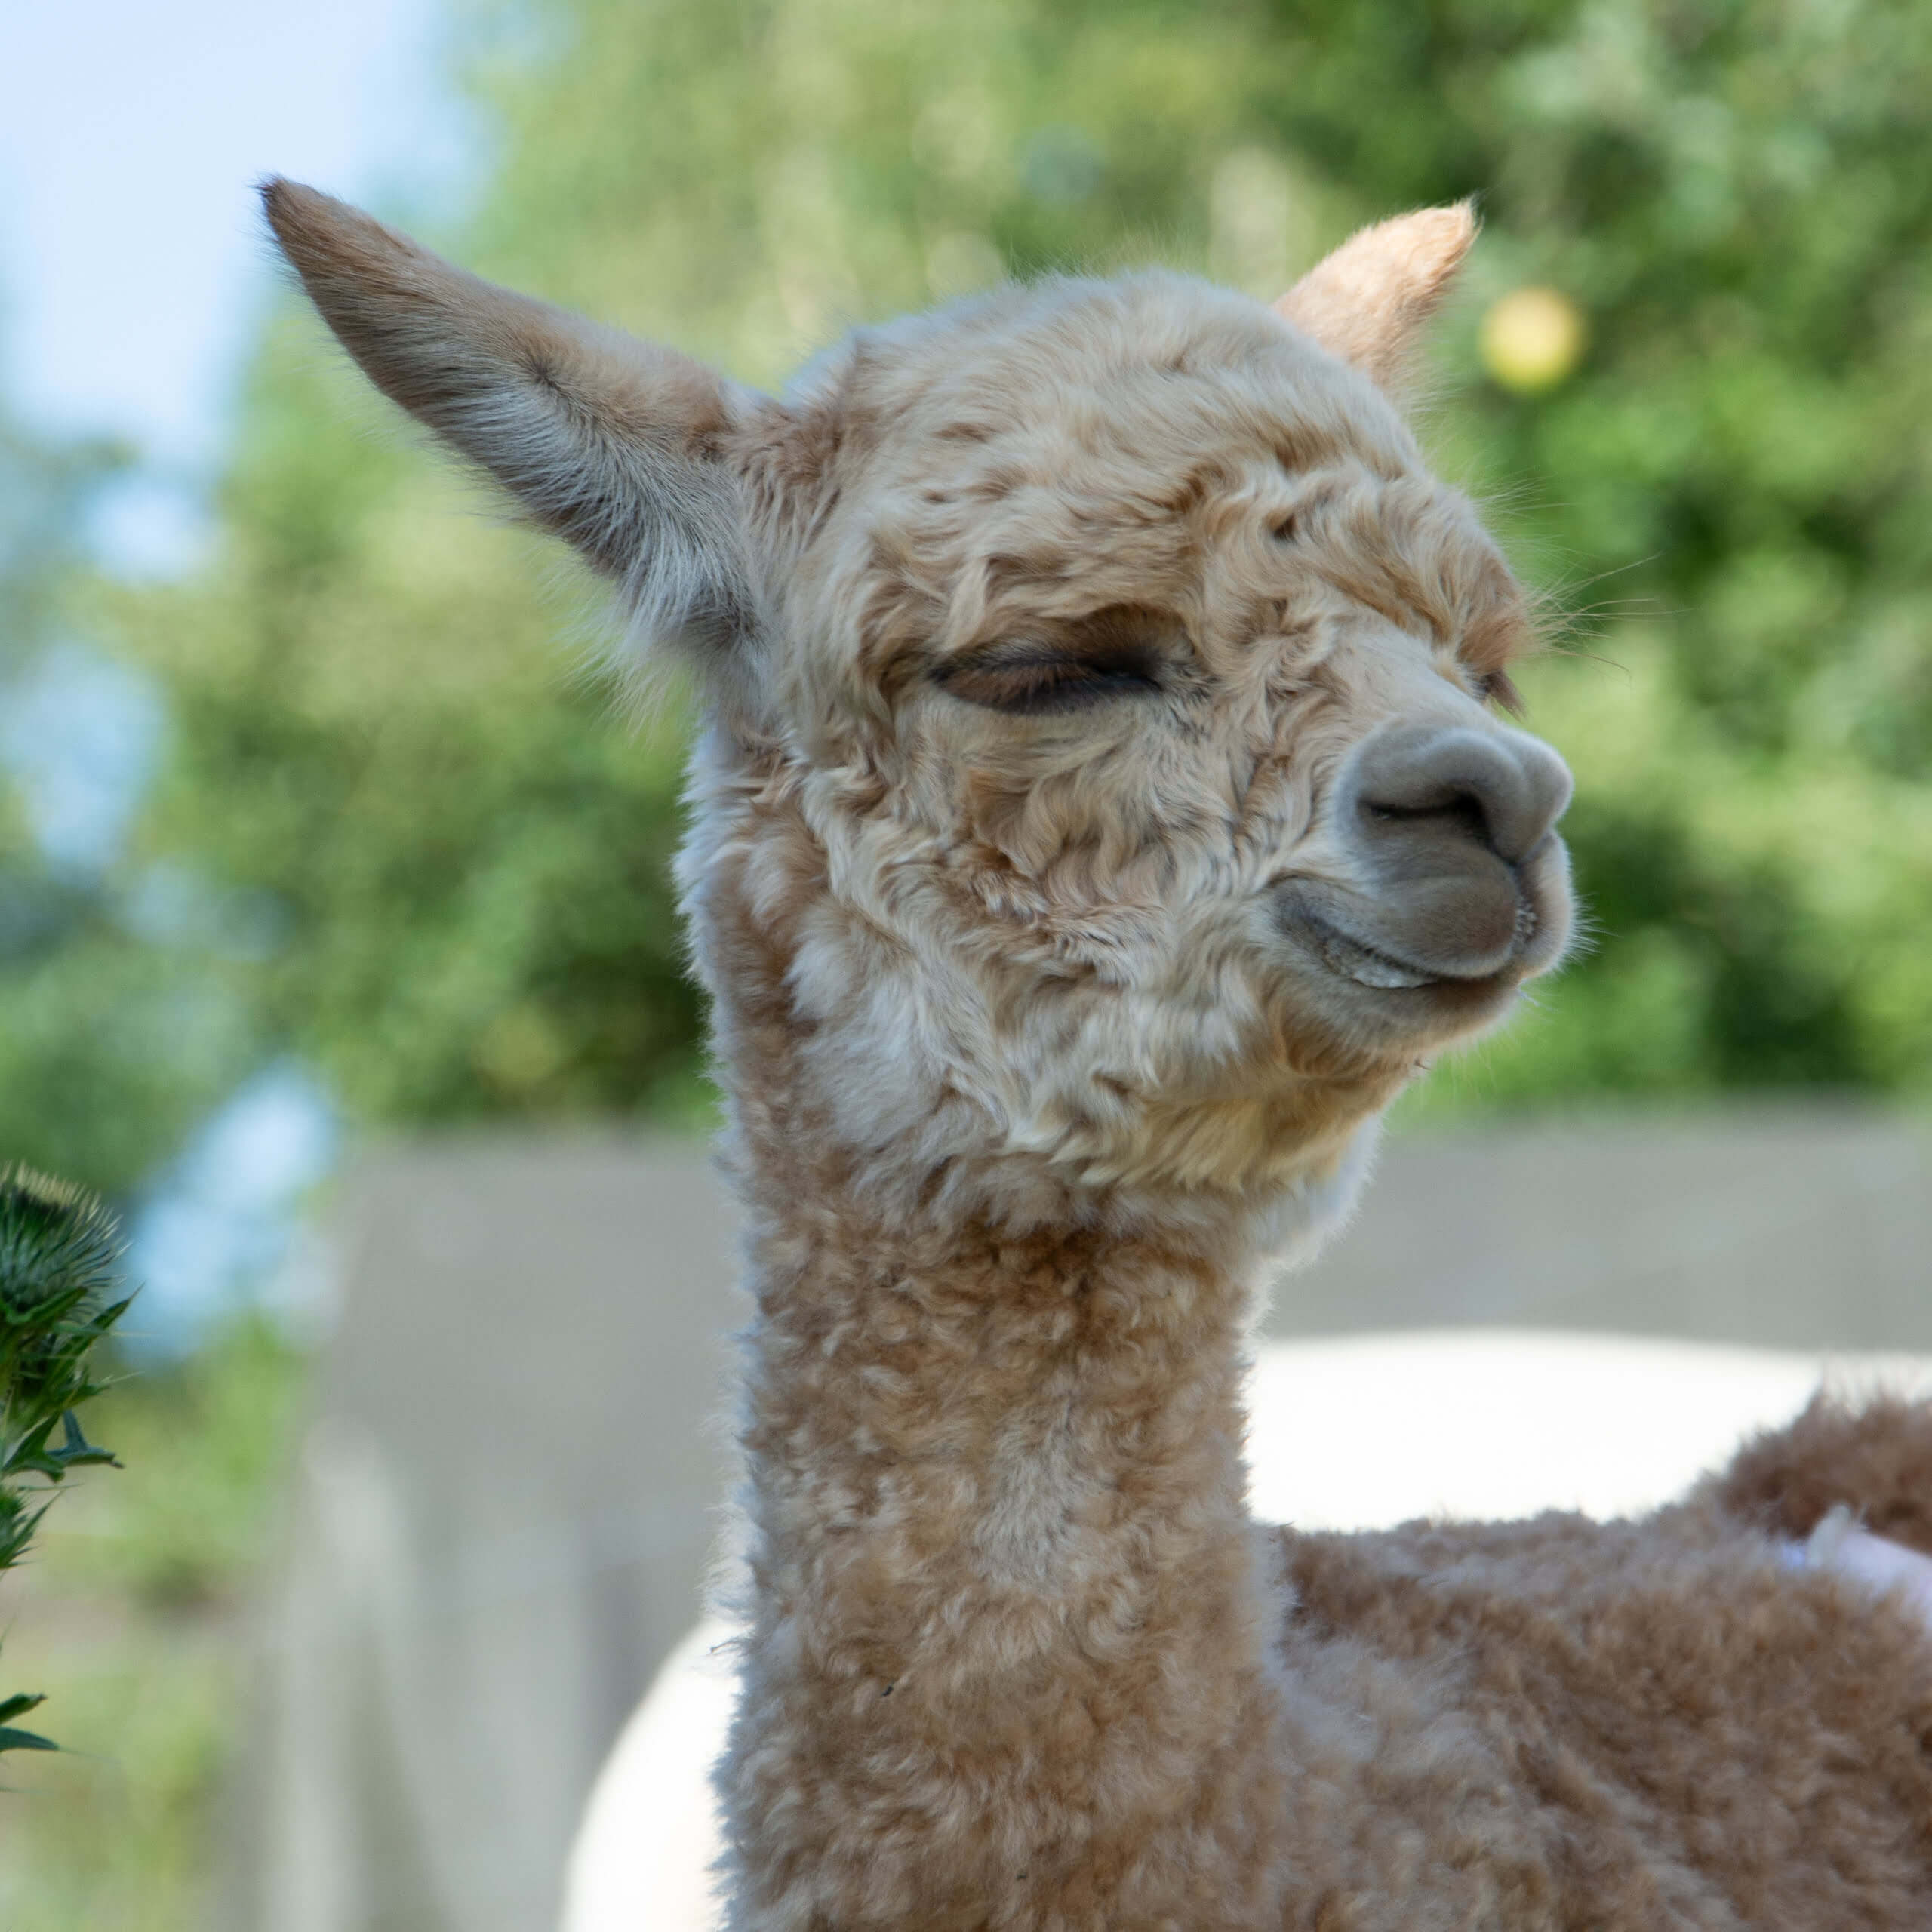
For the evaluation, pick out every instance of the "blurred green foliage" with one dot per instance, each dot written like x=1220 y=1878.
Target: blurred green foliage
x=134 y=1619
x=110 y=1047
x=447 y=858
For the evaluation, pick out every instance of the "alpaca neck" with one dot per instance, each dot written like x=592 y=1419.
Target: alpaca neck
x=1008 y=1637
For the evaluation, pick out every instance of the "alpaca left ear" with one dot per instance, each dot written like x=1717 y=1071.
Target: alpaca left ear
x=629 y=451
x=1367 y=302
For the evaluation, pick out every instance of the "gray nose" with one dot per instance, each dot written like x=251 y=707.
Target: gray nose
x=1440 y=785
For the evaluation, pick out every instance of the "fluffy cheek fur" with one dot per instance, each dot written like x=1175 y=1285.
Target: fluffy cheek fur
x=1112 y=1014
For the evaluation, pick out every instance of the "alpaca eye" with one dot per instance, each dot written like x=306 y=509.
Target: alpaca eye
x=1497 y=688
x=1033 y=681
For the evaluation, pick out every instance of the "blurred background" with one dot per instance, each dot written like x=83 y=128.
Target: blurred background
x=318 y=837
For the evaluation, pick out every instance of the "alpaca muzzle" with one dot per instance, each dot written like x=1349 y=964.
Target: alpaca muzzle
x=1456 y=876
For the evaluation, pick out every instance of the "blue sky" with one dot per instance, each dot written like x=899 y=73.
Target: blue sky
x=130 y=265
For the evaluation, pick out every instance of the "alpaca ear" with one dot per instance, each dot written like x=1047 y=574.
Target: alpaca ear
x=623 y=449
x=1368 y=301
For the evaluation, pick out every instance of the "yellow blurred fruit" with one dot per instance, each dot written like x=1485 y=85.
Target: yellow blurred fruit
x=1531 y=338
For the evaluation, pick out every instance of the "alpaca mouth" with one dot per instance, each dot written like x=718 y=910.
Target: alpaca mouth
x=1349 y=957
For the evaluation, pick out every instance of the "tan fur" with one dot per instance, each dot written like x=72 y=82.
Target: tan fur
x=1367 y=302
x=1045 y=1022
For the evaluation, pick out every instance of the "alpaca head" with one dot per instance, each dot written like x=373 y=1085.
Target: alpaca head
x=1105 y=795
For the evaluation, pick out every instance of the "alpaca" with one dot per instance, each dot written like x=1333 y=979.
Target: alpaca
x=648 y=1837
x=1103 y=812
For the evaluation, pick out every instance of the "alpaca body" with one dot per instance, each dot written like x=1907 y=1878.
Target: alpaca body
x=1016 y=1656
x=649 y=1837
x=1103 y=814
x=1562 y=1724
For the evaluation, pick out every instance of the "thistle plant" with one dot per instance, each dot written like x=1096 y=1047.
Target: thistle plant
x=59 y=1255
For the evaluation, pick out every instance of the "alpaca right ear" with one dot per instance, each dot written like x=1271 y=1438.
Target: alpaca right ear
x=622 y=448
x=1368 y=301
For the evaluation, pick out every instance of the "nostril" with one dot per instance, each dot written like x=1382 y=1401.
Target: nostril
x=1463 y=813
x=1501 y=791
x=1467 y=801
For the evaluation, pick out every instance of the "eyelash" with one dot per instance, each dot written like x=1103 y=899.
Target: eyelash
x=1497 y=688
x=1043 y=684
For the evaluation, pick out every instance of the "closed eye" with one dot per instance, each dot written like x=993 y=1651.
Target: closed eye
x=1031 y=682
x=1111 y=654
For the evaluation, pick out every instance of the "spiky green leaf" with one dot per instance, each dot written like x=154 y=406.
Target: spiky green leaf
x=59 y=1249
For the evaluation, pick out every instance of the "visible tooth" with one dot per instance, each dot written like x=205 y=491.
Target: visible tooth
x=1380 y=973
x=1366 y=968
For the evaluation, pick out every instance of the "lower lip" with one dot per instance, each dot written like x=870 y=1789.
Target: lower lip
x=1348 y=959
